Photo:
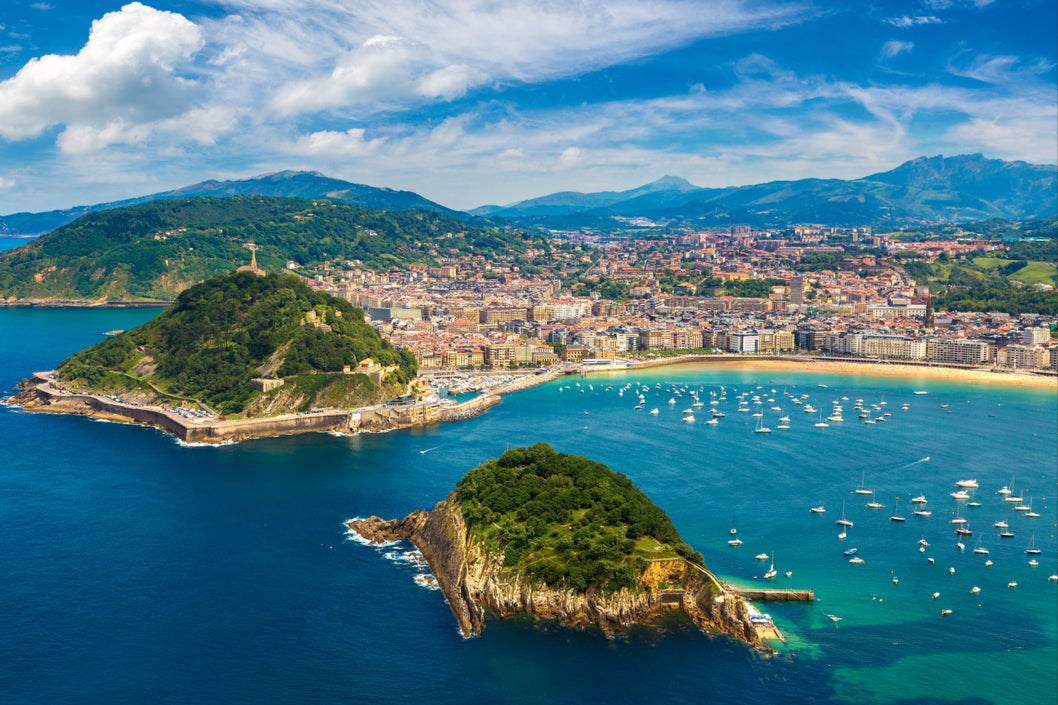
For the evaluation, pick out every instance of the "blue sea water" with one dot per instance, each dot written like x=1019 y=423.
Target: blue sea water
x=8 y=242
x=135 y=569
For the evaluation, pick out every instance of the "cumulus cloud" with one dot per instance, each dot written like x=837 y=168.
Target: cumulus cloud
x=334 y=145
x=126 y=74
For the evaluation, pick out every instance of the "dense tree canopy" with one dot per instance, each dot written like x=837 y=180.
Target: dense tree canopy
x=212 y=342
x=564 y=519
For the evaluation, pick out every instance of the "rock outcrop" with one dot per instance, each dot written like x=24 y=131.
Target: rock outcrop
x=474 y=581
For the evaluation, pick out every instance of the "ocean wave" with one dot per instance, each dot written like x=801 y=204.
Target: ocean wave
x=199 y=444
x=426 y=580
x=353 y=535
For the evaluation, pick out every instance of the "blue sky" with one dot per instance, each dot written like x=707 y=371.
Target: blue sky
x=473 y=102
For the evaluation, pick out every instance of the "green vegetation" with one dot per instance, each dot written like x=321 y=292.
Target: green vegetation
x=154 y=250
x=564 y=520
x=757 y=288
x=225 y=332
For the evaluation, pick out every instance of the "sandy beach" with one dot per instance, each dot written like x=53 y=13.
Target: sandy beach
x=854 y=367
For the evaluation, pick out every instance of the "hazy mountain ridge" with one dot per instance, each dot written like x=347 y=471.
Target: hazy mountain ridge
x=925 y=190
x=928 y=189
x=296 y=184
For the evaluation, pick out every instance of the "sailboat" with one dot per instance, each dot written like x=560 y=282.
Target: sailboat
x=761 y=428
x=896 y=511
x=861 y=489
x=843 y=521
x=771 y=571
x=1031 y=549
x=874 y=504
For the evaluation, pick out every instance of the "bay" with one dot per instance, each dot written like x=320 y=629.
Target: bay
x=138 y=569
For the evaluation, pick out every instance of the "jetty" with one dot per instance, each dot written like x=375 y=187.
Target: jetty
x=766 y=595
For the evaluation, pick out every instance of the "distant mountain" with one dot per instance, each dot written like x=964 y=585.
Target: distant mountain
x=924 y=190
x=299 y=184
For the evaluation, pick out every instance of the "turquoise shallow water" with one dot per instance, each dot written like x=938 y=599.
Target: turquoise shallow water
x=136 y=568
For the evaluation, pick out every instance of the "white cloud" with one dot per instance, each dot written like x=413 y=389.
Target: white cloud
x=6 y=183
x=127 y=73
x=570 y=157
x=332 y=145
x=895 y=48
x=905 y=21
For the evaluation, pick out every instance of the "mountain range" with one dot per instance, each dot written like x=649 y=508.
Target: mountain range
x=926 y=190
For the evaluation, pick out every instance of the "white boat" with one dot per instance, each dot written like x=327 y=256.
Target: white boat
x=1031 y=548
x=1000 y=525
x=856 y=560
x=896 y=511
x=688 y=418
x=654 y=412
x=920 y=392
x=974 y=590
x=818 y=510
x=959 y=495
x=761 y=556
x=861 y=489
x=1006 y=490
x=712 y=422
x=771 y=573
x=922 y=513
x=874 y=504
x=967 y=484
x=1012 y=584
x=921 y=499
x=761 y=428
x=843 y=521
x=979 y=549
x=735 y=542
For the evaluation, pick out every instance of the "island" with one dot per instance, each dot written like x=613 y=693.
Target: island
x=562 y=537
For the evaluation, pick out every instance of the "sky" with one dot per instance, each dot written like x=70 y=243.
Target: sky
x=475 y=102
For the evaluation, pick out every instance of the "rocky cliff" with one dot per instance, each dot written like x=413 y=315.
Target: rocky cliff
x=474 y=581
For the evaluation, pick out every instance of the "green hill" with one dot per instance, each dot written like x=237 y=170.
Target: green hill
x=153 y=251
x=223 y=333
x=565 y=520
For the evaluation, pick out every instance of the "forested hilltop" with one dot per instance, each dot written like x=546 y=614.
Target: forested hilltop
x=566 y=521
x=223 y=333
x=153 y=251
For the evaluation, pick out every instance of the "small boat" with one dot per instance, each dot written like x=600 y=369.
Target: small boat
x=951 y=571
x=842 y=535
x=959 y=495
x=761 y=556
x=931 y=560
x=979 y=549
x=964 y=531
x=1000 y=525
x=736 y=542
x=689 y=418
x=834 y=618
x=761 y=428
x=921 y=499
x=988 y=563
x=873 y=504
x=1033 y=563
x=771 y=572
x=1031 y=549
x=896 y=580
x=654 y=411
x=850 y=551
x=967 y=484
x=861 y=489
x=936 y=595
x=818 y=510
x=945 y=613
x=1012 y=584
x=896 y=513
x=920 y=392
x=1006 y=534
x=974 y=590
x=843 y=521
x=922 y=513
x=856 y=560
x=712 y=422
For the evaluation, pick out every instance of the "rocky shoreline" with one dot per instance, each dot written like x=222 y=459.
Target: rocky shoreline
x=474 y=583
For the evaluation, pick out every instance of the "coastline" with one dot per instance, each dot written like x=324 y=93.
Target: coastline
x=824 y=365
x=39 y=396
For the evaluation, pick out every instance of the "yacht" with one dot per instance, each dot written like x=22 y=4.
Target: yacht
x=818 y=510
x=921 y=499
x=967 y=484
x=843 y=521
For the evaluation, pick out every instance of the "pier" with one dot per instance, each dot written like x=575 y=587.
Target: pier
x=766 y=595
